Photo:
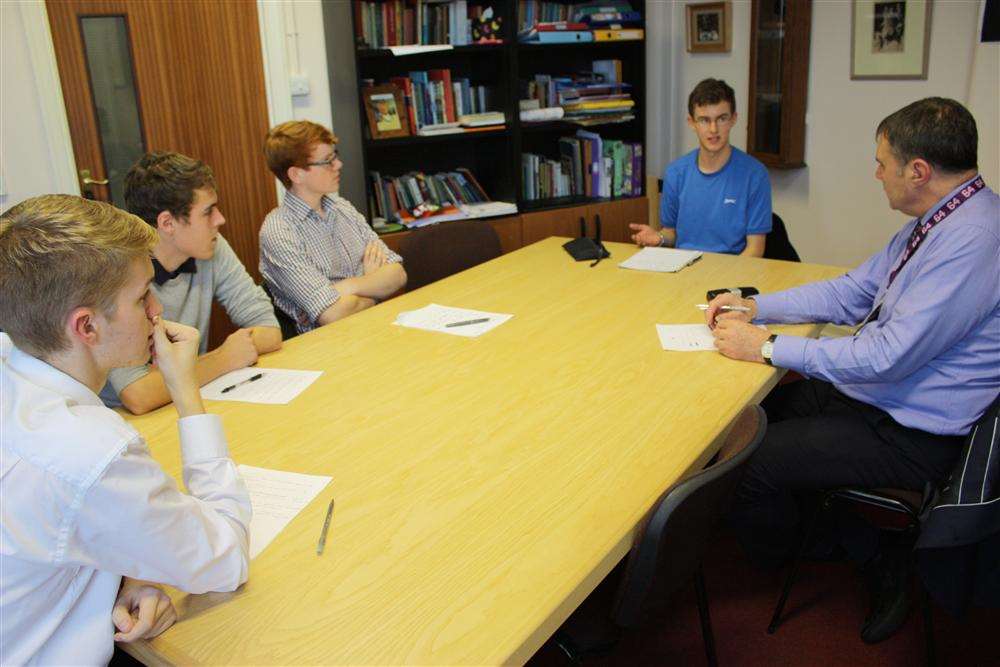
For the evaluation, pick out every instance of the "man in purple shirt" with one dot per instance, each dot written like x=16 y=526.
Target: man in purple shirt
x=887 y=407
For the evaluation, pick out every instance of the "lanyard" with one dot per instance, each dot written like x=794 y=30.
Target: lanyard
x=920 y=233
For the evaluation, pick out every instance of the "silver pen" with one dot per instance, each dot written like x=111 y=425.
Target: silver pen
x=463 y=323
x=326 y=529
x=737 y=309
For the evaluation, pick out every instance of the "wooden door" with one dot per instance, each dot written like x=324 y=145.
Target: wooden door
x=195 y=75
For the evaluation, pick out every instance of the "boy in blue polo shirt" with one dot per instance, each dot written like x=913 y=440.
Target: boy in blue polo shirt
x=715 y=198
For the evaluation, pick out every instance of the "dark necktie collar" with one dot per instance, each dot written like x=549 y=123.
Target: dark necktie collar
x=161 y=275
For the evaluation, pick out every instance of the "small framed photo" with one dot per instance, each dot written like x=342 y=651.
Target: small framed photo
x=709 y=28
x=386 y=113
x=890 y=39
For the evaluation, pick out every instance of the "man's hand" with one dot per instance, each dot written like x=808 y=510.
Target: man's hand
x=239 y=349
x=740 y=340
x=141 y=611
x=715 y=314
x=645 y=235
x=175 y=350
x=374 y=258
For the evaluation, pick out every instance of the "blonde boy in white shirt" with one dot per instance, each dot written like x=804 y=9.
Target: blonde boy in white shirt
x=88 y=517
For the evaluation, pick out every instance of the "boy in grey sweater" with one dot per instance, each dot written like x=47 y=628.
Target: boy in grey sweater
x=192 y=265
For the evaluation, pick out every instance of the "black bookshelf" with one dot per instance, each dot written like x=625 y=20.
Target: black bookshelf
x=494 y=157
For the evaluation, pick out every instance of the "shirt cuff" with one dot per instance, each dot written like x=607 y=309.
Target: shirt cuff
x=767 y=306
x=202 y=438
x=790 y=352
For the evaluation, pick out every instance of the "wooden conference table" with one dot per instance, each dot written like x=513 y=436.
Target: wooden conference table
x=483 y=486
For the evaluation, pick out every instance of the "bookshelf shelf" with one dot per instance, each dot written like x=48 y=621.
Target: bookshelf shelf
x=528 y=47
x=471 y=49
x=495 y=157
x=436 y=138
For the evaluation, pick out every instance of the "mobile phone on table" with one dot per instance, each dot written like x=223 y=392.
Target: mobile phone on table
x=742 y=292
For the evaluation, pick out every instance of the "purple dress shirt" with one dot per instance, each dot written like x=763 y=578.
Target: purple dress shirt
x=931 y=358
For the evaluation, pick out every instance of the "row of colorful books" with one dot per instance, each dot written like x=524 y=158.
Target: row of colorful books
x=587 y=166
x=433 y=97
x=403 y=22
x=587 y=98
x=417 y=199
x=531 y=13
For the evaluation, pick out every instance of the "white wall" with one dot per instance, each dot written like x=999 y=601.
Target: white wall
x=30 y=162
x=834 y=208
x=306 y=45
x=35 y=153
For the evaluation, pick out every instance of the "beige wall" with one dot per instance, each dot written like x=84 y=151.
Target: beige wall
x=834 y=208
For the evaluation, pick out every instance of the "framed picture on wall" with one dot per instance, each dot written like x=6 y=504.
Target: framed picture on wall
x=890 y=39
x=385 y=111
x=709 y=28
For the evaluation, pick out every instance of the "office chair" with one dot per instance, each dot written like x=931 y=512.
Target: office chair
x=438 y=251
x=902 y=502
x=287 y=324
x=777 y=244
x=667 y=552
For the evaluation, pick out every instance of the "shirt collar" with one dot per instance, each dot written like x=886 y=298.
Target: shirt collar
x=300 y=210
x=45 y=375
x=161 y=275
x=936 y=205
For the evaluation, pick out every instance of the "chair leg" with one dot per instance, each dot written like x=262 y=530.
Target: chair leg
x=929 y=629
x=793 y=570
x=706 y=620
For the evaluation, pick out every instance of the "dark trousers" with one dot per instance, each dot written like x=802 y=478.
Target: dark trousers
x=818 y=438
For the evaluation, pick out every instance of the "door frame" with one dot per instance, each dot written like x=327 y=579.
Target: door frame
x=42 y=54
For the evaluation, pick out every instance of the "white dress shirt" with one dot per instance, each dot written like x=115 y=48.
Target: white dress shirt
x=84 y=504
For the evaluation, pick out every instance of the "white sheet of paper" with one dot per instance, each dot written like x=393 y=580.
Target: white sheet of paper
x=685 y=337
x=664 y=260
x=277 y=386
x=412 y=49
x=436 y=318
x=277 y=497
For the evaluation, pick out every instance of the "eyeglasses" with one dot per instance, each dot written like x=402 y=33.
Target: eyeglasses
x=325 y=163
x=705 y=121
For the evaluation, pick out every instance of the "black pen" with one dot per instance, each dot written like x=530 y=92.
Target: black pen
x=326 y=529
x=464 y=322
x=242 y=382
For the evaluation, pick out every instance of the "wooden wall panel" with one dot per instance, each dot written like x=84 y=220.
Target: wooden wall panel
x=200 y=78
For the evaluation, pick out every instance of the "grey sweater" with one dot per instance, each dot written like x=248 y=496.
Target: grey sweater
x=187 y=299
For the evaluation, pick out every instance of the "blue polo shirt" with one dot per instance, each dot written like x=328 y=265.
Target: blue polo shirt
x=716 y=212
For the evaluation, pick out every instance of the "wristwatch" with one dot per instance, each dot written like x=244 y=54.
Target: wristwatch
x=767 y=349
x=663 y=240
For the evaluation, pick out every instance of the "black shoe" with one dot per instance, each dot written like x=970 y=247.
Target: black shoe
x=887 y=578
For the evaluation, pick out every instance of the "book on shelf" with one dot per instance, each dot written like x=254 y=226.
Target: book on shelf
x=587 y=98
x=588 y=166
x=417 y=199
x=619 y=35
x=532 y=12
x=558 y=37
x=540 y=115
x=488 y=119
x=396 y=23
x=434 y=98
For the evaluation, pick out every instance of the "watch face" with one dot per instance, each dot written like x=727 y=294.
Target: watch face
x=767 y=349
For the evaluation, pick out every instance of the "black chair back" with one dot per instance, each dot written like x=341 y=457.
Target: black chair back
x=778 y=246
x=288 y=328
x=438 y=251
x=668 y=551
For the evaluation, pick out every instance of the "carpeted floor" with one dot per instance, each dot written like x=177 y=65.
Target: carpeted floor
x=821 y=627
